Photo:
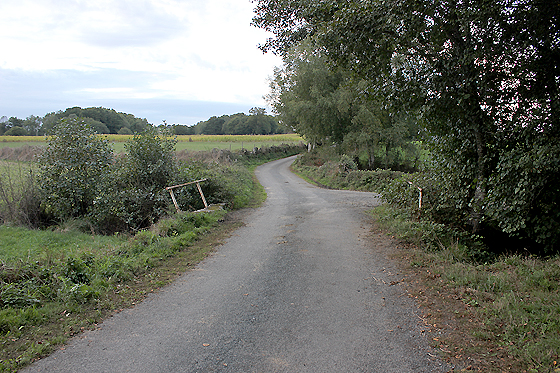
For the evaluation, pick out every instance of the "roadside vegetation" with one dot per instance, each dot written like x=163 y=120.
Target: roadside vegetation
x=491 y=305
x=87 y=232
x=456 y=102
x=450 y=110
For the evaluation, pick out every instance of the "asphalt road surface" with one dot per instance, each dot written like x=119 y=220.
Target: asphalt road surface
x=301 y=288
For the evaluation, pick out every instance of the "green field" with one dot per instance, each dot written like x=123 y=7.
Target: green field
x=17 y=144
x=19 y=244
x=184 y=142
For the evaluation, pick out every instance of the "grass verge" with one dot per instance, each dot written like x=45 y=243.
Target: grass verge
x=485 y=313
x=496 y=316
x=55 y=284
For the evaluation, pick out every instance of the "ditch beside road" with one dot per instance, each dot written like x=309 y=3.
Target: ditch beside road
x=304 y=286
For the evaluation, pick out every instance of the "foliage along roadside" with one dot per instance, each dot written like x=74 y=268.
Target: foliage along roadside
x=492 y=316
x=366 y=75
x=487 y=312
x=72 y=281
x=55 y=283
x=81 y=177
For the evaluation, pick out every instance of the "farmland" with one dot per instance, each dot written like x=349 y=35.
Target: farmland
x=184 y=142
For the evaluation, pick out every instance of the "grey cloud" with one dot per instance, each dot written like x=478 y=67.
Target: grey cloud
x=24 y=94
x=134 y=23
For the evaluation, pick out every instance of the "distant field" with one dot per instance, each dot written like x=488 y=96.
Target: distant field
x=184 y=142
x=19 y=141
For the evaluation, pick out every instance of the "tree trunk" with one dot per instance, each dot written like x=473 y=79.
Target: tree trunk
x=480 y=190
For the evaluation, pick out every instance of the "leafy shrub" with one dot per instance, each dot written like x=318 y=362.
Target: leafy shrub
x=149 y=163
x=346 y=163
x=133 y=196
x=524 y=194
x=73 y=168
x=77 y=270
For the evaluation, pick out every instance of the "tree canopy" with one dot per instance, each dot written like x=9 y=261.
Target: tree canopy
x=102 y=120
x=326 y=105
x=256 y=123
x=484 y=75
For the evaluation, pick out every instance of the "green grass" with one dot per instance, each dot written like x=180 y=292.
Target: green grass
x=184 y=142
x=491 y=313
x=46 y=274
x=21 y=244
x=512 y=303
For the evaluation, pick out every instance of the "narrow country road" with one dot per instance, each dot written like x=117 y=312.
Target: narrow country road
x=301 y=288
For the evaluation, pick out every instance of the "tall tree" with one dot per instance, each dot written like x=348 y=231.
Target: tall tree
x=235 y=124
x=304 y=93
x=214 y=126
x=32 y=124
x=327 y=105
x=3 y=124
x=258 y=122
x=485 y=73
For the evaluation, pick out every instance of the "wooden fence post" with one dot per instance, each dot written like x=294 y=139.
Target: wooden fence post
x=170 y=189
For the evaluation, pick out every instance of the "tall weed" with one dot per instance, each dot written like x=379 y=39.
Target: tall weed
x=20 y=197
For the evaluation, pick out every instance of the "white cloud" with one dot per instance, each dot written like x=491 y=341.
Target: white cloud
x=175 y=49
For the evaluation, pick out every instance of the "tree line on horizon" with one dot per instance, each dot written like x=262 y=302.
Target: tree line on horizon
x=256 y=123
x=109 y=121
x=101 y=120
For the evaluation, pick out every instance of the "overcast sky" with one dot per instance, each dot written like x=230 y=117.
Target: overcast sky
x=176 y=60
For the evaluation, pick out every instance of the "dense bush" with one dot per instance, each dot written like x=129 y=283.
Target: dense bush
x=524 y=194
x=520 y=209
x=73 y=168
x=81 y=181
x=133 y=196
x=329 y=169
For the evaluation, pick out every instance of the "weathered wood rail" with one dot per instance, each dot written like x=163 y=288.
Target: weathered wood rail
x=170 y=189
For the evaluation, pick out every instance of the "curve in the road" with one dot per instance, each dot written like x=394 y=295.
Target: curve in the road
x=300 y=288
